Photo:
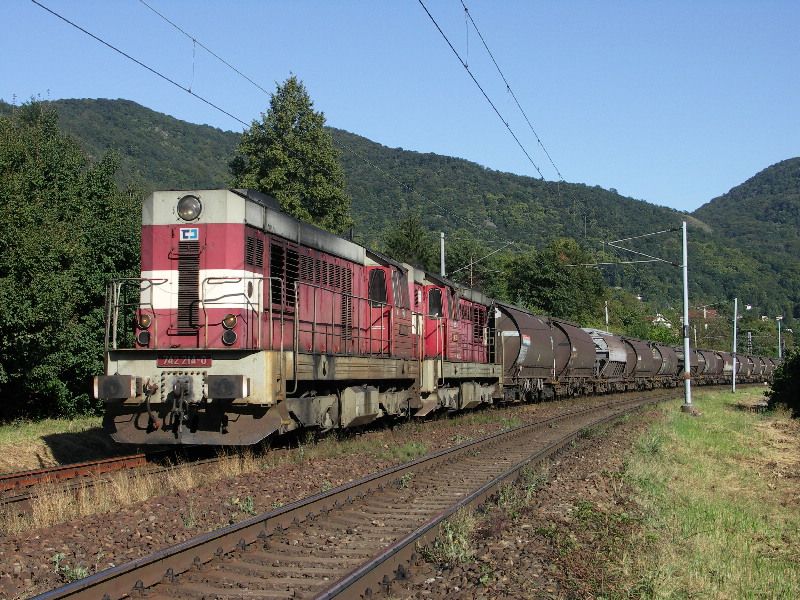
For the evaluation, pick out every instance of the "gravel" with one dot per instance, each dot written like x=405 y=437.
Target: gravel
x=28 y=562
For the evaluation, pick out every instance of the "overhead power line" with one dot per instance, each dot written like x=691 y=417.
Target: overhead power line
x=405 y=186
x=204 y=47
x=485 y=95
x=140 y=63
x=508 y=87
x=386 y=174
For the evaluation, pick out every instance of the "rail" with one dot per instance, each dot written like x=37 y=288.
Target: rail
x=442 y=482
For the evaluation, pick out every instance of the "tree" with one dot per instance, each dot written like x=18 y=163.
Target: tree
x=290 y=155
x=785 y=389
x=543 y=282
x=66 y=230
x=412 y=243
x=474 y=264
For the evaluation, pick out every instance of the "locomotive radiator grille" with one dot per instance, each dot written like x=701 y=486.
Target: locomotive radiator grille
x=188 y=284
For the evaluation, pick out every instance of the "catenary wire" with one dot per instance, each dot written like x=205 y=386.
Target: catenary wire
x=405 y=186
x=203 y=46
x=485 y=95
x=508 y=87
x=138 y=62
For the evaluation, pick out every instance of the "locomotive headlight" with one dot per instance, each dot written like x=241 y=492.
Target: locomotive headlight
x=143 y=339
x=229 y=337
x=189 y=208
x=144 y=321
x=229 y=322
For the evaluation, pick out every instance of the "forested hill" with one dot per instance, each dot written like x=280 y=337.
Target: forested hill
x=452 y=195
x=158 y=151
x=763 y=214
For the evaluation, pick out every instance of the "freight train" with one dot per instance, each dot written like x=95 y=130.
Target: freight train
x=246 y=323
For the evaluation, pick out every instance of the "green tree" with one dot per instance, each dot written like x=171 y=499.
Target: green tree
x=785 y=387
x=412 y=243
x=544 y=282
x=472 y=263
x=66 y=230
x=290 y=155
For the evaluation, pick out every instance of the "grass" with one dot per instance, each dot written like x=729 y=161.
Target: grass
x=25 y=445
x=125 y=488
x=720 y=521
x=66 y=572
x=27 y=431
x=453 y=546
x=379 y=447
x=35 y=444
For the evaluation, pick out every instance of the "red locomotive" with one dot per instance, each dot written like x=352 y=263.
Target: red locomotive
x=246 y=322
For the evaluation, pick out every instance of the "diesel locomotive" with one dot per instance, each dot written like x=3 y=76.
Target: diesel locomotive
x=246 y=322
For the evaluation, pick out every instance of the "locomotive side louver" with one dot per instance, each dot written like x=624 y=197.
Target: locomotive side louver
x=254 y=252
x=188 y=284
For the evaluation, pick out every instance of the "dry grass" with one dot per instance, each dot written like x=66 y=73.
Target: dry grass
x=31 y=444
x=125 y=488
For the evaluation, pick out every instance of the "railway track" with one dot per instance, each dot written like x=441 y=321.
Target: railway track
x=19 y=490
x=353 y=540
x=10 y=482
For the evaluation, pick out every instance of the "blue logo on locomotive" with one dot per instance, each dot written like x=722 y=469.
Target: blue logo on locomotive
x=190 y=234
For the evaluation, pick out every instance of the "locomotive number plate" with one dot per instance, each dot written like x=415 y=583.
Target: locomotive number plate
x=183 y=361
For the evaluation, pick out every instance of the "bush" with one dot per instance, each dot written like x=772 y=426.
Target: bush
x=785 y=388
x=66 y=230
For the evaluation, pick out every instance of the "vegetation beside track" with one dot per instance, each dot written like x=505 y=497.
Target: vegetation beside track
x=28 y=445
x=380 y=447
x=666 y=505
x=719 y=495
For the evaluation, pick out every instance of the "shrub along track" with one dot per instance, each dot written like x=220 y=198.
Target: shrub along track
x=353 y=539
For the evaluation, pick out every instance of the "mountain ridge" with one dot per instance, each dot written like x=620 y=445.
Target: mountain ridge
x=729 y=256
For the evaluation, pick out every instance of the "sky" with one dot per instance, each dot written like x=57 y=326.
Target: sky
x=670 y=102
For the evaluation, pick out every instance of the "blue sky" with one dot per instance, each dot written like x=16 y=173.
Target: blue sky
x=671 y=102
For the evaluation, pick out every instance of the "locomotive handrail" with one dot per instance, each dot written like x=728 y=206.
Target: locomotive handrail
x=440 y=327
x=365 y=341
x=113 y=296
x=295 y=339
x=253 y=308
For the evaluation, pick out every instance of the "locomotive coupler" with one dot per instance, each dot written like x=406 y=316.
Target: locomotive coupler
x=181 y=398
x=153 y=422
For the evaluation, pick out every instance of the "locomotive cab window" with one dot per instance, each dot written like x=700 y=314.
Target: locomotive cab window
x=377 y=288
x=435 y=302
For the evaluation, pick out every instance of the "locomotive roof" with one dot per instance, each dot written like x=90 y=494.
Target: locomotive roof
x=328 y=242
x=256 y=209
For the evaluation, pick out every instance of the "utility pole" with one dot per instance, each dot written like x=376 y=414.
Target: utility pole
x=441 y=254
x=606 y=315
x=780 y=351
x=735 y=319
x=687 y=352
x=687 y=361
